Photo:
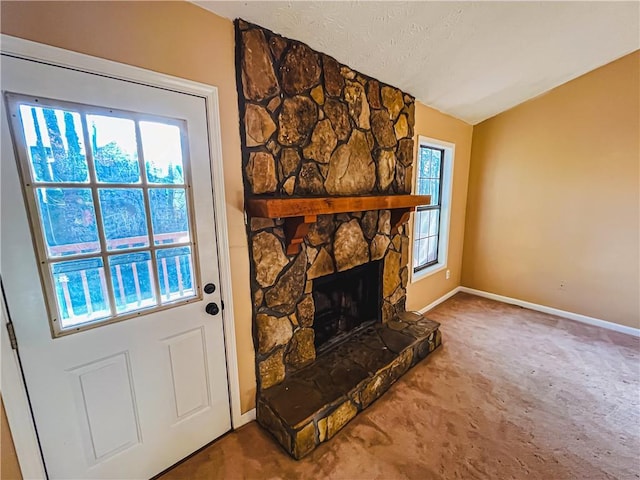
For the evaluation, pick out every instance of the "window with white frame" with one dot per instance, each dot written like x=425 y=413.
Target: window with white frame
x=431 y=222
x=110 y=207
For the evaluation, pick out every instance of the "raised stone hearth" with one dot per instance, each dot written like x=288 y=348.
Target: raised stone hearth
x=312 y=127
x=312 y=404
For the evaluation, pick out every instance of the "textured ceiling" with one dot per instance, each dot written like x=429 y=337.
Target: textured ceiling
x=471 y=60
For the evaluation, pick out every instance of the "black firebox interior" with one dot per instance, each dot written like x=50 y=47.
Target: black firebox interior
x=345 y=302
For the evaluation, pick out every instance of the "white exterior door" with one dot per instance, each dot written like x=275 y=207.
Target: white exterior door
x=108 y=241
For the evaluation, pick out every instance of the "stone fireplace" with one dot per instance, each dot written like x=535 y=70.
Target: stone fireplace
x=331 y=331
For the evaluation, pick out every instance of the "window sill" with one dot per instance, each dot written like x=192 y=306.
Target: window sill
x=427 y=272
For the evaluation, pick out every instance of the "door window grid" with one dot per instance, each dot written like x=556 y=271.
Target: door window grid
x=129 y=245
x=427 y=227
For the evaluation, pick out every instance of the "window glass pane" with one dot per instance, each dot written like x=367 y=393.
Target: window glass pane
x=425 y=157
x=132 y=280
x=423 y=223
x=423 y=187
x=169 y=215
x=81 y=291
x=54 y=143
x=429 y=173
x=162 y=152
x=114 y=147
x=434 y=223
x=175 y=272
x=68 y=221
x=124 y=217
x=432 y=253
x=423 y=246
x=437 y=161
x=416 y=253
x=434 y=191
x=429 y=167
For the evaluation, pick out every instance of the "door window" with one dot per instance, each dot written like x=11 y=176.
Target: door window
x=110 y=208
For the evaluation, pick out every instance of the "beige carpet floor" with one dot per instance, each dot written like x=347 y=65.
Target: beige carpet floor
x=511 y=394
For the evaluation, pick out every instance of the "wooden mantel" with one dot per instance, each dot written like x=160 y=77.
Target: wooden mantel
x=300 y=213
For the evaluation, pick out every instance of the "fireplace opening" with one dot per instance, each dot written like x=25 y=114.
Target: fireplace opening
x=345 y=302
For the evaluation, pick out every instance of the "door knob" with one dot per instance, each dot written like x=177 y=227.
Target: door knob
x=212 y=309
x=209 y=288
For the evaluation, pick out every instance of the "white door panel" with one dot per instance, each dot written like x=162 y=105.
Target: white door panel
x=125 y=399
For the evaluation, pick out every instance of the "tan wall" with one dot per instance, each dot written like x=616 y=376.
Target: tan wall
x=553 y=208
x=176 y=38
x=9 y=468
x=433 y=124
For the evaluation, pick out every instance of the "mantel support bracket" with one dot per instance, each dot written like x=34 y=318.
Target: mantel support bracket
x=295 y=229
x=400 y=216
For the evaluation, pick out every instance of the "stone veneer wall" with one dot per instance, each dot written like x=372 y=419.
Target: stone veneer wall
x=313 y=127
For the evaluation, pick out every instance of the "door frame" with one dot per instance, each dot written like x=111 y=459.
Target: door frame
x=13 y=389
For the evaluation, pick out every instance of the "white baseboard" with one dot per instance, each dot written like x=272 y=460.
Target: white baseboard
x=245 y=418
x=552 y=311
x=440 y=300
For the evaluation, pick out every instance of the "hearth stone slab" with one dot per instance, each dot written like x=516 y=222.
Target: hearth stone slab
x=314 y=403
